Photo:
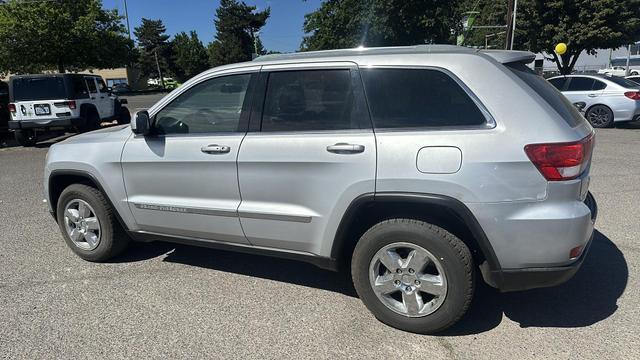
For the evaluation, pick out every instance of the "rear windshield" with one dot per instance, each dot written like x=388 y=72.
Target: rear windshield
x=548 y=93
x=626 y=83
x=46 y=88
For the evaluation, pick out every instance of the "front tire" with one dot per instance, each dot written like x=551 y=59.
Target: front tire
x=600 y=116
x=88 y=224
x=26 y=137
x=413 y=275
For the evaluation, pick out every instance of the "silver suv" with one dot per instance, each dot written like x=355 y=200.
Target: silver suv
x=417 y=167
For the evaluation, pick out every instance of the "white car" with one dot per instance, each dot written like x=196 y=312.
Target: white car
x=70 y=102
x=618 y=71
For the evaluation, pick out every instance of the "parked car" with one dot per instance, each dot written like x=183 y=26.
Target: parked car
x=4 y=107
x=71 y=102
x=383 y=161
x=634 y=78
x=120 y=88
x=607 y=99
x=617 y=71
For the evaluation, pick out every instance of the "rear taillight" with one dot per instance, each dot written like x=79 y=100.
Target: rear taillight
x=12 y=108
x=561 y=161
x=633 y=95
x=71 y=104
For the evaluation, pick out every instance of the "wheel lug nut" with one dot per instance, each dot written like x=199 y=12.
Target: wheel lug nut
x=399 y=271
x=408 y=288
x=411 y=271
x=417 y=282
x=397 y=282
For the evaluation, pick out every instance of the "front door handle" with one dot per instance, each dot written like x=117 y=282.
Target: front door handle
x=592 y=95
x=344 y=148
x=215 y=149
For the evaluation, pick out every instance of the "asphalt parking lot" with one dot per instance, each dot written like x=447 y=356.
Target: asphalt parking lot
x=176 y=301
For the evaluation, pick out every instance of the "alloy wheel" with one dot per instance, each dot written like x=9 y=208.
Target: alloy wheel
x=82 y=224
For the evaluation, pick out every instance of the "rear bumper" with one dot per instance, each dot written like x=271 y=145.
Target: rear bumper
x=45 y=123
x=530 y=278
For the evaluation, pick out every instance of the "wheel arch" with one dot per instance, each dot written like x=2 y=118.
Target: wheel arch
x=444 y=211
x=86 y=108
x=61 y=179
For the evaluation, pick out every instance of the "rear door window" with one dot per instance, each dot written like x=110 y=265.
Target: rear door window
x=580 y=84
x=79 y=90
x=417 y=98
x=44 y=88
x=548 y=93
x=91 y=84
x=310 y=100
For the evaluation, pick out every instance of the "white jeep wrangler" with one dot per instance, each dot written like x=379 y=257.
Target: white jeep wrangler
x=69 y=102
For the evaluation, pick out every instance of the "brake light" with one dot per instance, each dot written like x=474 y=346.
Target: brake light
x=633 y=95
x=561 y=161
x=12 y=107
x=71 y=104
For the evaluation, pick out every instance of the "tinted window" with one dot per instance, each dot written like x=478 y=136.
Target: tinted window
x=79 y=88
x=309 y=100
x=211 y=106
x=635 y=79
x=102 y=85
x=548 y=93
x=91 y=84
x=623 y=82
x=418 y=98
x=45 y=88
x=580 y=84
x=599 y=85
x=558 y=83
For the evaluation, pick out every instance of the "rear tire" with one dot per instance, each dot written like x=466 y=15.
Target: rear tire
x=125 y=116
x=92 y=121
x=26 y=137
x=110 y=239
x=600 y=116
x=426 y=298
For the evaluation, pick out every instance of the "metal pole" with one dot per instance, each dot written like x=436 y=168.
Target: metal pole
x=626 y=73
x=509 y=21
x=155 y=52
x=513 y=27
x=126 y=15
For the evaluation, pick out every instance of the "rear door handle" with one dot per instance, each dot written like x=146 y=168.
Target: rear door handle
x=344 y=148
x=592 y=95
x=215 y=149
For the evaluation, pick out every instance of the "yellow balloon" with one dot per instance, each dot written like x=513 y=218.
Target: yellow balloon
x=561 y=48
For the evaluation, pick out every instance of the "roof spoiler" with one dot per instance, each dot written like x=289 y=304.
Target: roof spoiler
x=510 y=56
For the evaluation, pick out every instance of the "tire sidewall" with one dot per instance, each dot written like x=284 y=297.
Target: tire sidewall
x=608 y=124
x=106 y=227
x=124 y=116
x=458 y=279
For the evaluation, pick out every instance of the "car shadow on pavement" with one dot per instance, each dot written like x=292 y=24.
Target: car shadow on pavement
x=589 y=297
x=265 y=267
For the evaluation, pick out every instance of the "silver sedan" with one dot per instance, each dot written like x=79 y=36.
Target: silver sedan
x=605 y=99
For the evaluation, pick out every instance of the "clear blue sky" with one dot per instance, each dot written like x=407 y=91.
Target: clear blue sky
x=283 y=31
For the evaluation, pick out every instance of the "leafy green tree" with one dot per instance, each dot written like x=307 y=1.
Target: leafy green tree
x=190 y=56
x=237 y=27
x=62 y=35
x=487 y=13
x=154 y=48
x=584 y=25
x=351 y=23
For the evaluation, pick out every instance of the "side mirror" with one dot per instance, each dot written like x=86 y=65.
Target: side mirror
x=109 y=89
x=142 y=123
x=580 y=105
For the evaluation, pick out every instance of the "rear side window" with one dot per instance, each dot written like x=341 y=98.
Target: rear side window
x=415 y=98
x=310 y=100
x=91 y=84
x=548 y=93
x=79 y=88
x=44 y=88
x=580 y=84
x=599 y=85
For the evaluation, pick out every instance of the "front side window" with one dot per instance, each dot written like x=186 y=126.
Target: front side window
x=103 y=86
x=310 y=100
x=416 y=98
x=212 y=106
